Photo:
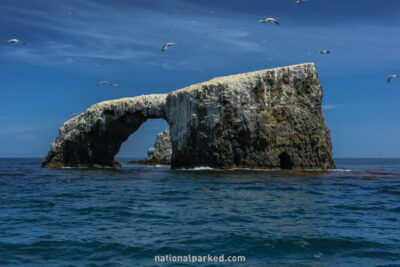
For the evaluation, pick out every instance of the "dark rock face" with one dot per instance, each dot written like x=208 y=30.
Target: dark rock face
x=161 y=152
x=266 y=119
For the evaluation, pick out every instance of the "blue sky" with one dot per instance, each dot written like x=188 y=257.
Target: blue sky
x=56 y=74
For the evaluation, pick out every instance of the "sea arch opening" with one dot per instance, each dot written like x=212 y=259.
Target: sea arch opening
x=137 y=145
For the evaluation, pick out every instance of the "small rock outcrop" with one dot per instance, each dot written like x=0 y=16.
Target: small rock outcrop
x=161 y=152
x=265 y=119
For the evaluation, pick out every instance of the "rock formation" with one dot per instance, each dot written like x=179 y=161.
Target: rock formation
x=93 y=138
x=161 y=153
x=265 y=119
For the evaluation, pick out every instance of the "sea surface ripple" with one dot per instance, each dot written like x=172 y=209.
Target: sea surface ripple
x=127 y=216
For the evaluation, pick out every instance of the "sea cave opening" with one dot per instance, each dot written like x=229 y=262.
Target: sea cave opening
x=139 y=142
x=285 y=161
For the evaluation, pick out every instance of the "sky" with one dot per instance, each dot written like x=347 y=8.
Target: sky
x=74 y=44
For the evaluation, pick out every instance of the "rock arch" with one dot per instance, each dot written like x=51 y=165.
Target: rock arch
x=252 y=120
x=93 y=138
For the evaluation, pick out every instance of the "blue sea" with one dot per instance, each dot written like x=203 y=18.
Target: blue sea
x=128 y=216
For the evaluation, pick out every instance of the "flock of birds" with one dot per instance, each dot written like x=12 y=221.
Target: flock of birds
x=169 y=44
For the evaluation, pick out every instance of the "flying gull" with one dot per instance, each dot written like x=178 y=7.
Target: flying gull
x=164 y=48
x=14 y=41
x=391 y=77
x=107 y=83
x=324 y=52
x=266 y=20
x=301 y=1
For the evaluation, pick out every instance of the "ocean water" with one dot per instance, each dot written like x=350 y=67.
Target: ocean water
x=127 y=216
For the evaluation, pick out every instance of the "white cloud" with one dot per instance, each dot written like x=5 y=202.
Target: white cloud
x=135 y=35
x=109 y=33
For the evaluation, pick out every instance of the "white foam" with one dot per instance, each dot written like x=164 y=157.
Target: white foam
x=340 y=170
x=87 y=168
x=70 y=168
x=162 y=166
x=203 y=168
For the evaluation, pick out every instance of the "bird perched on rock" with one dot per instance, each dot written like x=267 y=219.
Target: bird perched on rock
x=164 y=48
x=266 y=20
x=14 y=41
x=391 y=77
x=324 y=52
x=301 y=1
x=107 y=83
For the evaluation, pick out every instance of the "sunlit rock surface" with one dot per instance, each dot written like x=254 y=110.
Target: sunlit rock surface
x=265 y=119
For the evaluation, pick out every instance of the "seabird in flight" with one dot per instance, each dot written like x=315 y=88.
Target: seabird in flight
x=107 y=83
x=324 y=52
x=164 y=48
x=14 y=41
x=266 y=20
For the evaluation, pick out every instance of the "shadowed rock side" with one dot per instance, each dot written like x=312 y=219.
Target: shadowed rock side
x=161 y=152
x=265 y=119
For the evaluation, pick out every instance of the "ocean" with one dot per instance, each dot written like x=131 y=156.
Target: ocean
x=128 y=216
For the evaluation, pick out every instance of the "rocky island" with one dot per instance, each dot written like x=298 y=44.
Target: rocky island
x=268 y=119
